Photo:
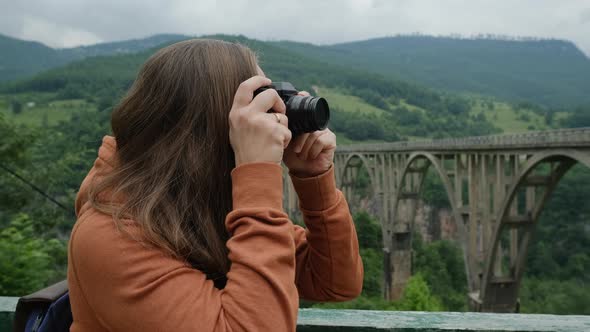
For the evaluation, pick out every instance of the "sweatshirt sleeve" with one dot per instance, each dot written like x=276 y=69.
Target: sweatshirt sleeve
x=132 y=287
x=329 y=267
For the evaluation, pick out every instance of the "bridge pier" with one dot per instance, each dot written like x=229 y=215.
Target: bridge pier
x=401 y=264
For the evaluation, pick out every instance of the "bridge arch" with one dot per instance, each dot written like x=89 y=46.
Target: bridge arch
x=431 y=160
x=348 y=173
x=436 y=163
x=348 y=163
x=417 y=166
x=499 y=289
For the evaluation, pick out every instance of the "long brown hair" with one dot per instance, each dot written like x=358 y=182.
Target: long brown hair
x=173 y=150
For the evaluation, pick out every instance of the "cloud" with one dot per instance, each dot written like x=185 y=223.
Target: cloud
x=38 y=28
x=63 y=23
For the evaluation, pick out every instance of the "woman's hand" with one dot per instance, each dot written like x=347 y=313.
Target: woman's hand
x=310 y=154
x=254 y=134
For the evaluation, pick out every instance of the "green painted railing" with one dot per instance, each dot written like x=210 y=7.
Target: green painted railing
x=318 y=320
x=7 y=306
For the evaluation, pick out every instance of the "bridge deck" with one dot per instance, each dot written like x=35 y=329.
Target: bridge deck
x=562 y=138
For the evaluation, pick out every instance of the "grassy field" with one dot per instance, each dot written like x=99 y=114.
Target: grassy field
x=37 y=111
x=502 y=114
x=41 y=109
x=339 y=99
x=512 y=120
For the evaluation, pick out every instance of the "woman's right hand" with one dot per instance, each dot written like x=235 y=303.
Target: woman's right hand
x=254 y=134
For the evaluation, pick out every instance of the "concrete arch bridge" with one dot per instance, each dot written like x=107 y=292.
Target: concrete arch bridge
x=496 y=185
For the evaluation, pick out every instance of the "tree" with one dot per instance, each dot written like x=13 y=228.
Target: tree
x=579 y=118
x=373 y=268
x=16 y=107
x=26 y=261
x=14 y=142
x=368 y=230
x=554 y=296
x=434 y=192
x=417 y=296
x=549 y=117
x=14 y=153
x=441 y=265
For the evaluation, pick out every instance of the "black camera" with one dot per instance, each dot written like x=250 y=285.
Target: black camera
x=306 y=114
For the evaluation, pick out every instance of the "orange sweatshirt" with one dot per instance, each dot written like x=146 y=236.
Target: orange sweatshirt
x=118 y=284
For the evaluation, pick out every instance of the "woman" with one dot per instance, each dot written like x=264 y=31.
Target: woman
x=180 y=221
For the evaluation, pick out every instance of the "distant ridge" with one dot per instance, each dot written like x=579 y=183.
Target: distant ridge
x=369 y=106
x=20 y=58
x=552 y=72
x=474 y=37
x=125 y=46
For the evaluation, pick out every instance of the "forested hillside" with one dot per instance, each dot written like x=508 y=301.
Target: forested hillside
x=407 y=110
x=121 y=47
x=51 y=125
x=20 y=58
x=554 y=73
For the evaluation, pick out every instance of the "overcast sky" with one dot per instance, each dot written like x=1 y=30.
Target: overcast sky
x=66 y=23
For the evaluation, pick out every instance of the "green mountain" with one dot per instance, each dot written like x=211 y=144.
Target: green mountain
x=404 y=110
x=20 y=58
x=122 y=47
x=554 y=73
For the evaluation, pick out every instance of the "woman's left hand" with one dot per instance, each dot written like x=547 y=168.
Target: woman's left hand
x=310 y=154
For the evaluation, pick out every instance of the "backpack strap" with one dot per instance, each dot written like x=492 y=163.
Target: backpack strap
x=58 y=317
x=37 y=302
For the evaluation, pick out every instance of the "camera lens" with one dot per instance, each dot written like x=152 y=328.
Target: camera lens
x=307 y=114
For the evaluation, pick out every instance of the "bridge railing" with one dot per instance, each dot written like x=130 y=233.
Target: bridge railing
x=530 y=140
x=315 y=320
